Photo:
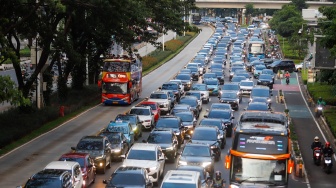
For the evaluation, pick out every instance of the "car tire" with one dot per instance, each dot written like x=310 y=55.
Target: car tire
x=103 y=170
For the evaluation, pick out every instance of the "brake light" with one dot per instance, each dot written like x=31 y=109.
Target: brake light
x=227 y=161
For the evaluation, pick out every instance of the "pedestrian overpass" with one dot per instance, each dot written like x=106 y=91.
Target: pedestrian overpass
x=262 y=4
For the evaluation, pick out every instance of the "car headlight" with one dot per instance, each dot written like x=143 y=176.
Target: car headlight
x=135 y=128
x=319 y=108
x=182 y=163
x=170 y=148
x=116 y=150
x=268 y=100
x=234 y=186
x=205 y=164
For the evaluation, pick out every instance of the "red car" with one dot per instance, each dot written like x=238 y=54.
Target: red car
x=86 y=163
x=155 y=108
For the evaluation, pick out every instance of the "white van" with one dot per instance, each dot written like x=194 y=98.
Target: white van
x=71 y=166
x=181 y=179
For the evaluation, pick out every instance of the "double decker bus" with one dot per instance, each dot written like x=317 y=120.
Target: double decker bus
x=256 y=48
x=260 y=155
x=121 y=80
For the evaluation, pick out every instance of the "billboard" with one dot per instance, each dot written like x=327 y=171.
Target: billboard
x=323 y=59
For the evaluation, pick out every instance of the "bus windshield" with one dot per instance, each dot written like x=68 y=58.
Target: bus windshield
x=257 y=48
x=114 y=88
x=258 y=171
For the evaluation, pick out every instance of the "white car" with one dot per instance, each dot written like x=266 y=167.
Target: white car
x=162 y=98
x=145 y=115
x=299 y=67
x=148 y=156
x=71 y=166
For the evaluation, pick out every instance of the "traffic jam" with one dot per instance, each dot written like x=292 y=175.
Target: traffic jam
x=214 y=123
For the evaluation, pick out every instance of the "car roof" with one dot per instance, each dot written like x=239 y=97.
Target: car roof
x=62 y=165
x=181 y=176
x=144 y=146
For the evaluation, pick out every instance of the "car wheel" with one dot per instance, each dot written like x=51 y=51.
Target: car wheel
x=103 y=170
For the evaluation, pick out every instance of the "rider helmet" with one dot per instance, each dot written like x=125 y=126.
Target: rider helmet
x=320 y=98
x=316 y=139
x=327 y=144
x=218 y=175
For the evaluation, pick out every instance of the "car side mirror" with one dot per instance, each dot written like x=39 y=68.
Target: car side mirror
x=73 y=148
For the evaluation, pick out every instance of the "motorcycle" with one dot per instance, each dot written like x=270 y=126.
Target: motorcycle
x=317 y=156
x=287 y=80
x=327 y=163
x=318 y=110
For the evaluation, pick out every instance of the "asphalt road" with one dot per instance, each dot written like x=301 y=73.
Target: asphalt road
x=17 y=166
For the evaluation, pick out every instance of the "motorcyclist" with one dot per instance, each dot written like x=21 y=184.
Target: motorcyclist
x=316 y=144
x=327 y=149
x=320 y=101
x=287 y=75
x=218 y=179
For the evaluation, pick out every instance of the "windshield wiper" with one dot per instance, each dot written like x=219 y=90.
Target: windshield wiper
x=241 y=181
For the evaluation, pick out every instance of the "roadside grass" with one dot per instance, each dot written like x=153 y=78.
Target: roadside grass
x=304 y=76
x=74 y=105
x=323 y=90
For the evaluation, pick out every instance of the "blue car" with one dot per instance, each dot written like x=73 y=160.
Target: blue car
x=124 y=127
x=213 y=86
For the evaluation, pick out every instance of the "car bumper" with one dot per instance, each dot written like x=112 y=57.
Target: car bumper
x=147 y=125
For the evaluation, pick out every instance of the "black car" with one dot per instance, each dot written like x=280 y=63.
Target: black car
x=265 y=80
x=99 y=148
x=232 y=98
x=189 y=121
x=197 y=155
x=226 y=116
x=193 y=102
x=208 y=135
x=118 y=142
x=134 y=120
x=220 y=124
x=175 y=124
x=167 y=141
x=186 y=80
x=284 y=64
x=122 y=176
x=50 y=178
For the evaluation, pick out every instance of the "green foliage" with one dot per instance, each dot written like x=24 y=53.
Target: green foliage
x=300 y=4
x=286 y=21
x=323 y=90
x=173 y=45
x=9 y=92
x=25 y=52
x=328 y=28
x=330 y=115
x=250 y=11
x=328 y=76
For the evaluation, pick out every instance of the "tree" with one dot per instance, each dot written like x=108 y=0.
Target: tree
x=287 y=21
x=249 y=11
x=328 y=27
x=299 y=4
x=10 y=93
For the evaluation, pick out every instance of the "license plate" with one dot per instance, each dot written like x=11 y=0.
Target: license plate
x=194 y=164
x=115 y=102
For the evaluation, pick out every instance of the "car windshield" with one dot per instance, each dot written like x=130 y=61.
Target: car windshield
x=199 y=87
x=196 y=94
x=90 y=145
x=202 y=134
x=169 y=87
x=246 y=84
x=153 y=106
x=158 y=96
x=220 y=106
x=185 y=117
x=202 y=151
x=191 y=102
x=139 y=111
x=229 y=95
x=43 y=183
x=211 y=122
x=230 y=87
x=211 y=82
x=141 y=155
x=183 y=77
x=265 y=76
x=178 y=185
x=267 y=71
x=123 y=129
x=219 y=114
x=131 y=119
x=216 y=66
x=75 y=159
x=122 y=180
x=167 y=123
x=159 y=138
x=114 y=138
x=258 y=107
